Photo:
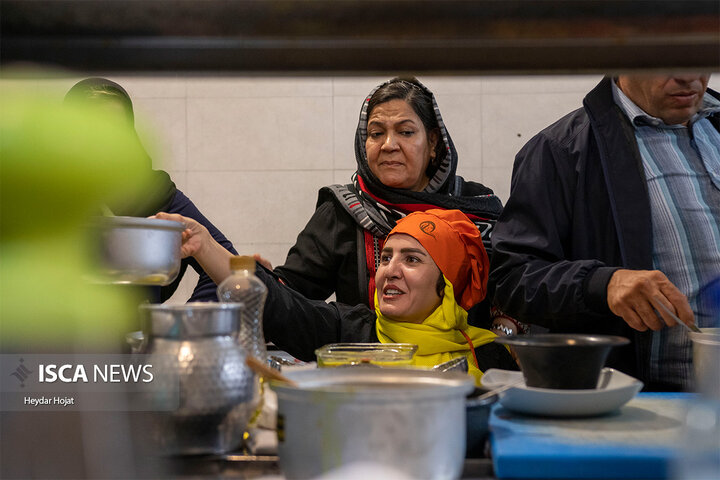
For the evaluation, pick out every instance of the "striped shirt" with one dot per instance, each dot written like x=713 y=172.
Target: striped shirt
x=682 y=169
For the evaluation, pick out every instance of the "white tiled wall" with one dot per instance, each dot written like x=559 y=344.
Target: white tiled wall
x=251 y=152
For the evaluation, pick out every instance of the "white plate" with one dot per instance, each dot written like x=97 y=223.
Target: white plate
x=615 y=390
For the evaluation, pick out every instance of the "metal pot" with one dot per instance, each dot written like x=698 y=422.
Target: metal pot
x=139 y=251
x=196 y=345
x=706 y=359
x=410 y=420
x=477 y=412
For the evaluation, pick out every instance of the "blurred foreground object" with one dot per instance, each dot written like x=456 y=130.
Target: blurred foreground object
x=136 y=251
x=58 y=164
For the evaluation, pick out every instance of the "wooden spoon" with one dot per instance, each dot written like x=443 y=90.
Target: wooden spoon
x=268 y=373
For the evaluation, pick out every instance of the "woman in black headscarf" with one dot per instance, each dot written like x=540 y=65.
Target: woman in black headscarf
x=157 y=194
x=406 y=162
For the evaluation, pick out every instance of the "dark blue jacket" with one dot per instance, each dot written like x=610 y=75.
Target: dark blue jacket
x=578 y=210
x=205 y=290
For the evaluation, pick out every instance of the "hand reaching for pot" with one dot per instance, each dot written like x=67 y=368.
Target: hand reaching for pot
x=197 y=242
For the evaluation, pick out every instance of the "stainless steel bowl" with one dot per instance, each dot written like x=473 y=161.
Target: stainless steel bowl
x=706 y=358
x=133 y=250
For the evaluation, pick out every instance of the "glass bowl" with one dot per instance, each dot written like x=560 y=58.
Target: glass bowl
x=379 y=354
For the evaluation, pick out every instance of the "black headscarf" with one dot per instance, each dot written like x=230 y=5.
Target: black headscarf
x=156 y=193
x=376 y=207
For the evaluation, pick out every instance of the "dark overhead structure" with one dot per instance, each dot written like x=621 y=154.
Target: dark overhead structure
x=360 y=37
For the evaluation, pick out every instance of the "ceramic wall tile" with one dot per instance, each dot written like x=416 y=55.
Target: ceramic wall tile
x=259 y=206
x=498 y=178
x=342 y=176
x=540 y=84
x=241 y=134
x=346 y=111
x=161 y=125
x=509 y=121
x=439 y=85
x=356 y=87
x=258 y=87
x=462 y=115
x=168 y=86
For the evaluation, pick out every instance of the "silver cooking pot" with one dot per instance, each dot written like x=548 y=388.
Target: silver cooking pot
x=706 y=361
x=410 y=420
x=196 y=346
x=133 y=250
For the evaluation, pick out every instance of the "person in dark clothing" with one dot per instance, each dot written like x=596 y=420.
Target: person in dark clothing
x=433 y=269
x=159 y=193
x=614 y=209
x=406 y=162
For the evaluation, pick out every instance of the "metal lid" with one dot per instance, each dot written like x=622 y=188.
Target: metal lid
x=139 y=222
x=191 y=319
x=375 y=385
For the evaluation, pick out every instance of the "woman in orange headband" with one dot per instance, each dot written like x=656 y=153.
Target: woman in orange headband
x=433 y=269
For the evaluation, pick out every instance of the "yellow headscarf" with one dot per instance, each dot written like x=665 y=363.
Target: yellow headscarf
x=456 y=247
x=439 y=338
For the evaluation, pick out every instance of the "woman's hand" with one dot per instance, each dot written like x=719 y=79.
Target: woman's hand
x=194 y=237
x=262 y=261
x=197 y=242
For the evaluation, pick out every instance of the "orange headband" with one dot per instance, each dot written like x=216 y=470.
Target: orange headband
x=455 y=244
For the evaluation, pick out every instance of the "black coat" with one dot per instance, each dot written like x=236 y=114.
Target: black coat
x=578 y=210
x=299 y=325
x=329 y=257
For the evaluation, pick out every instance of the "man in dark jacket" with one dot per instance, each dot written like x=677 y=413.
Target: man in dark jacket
x=613 y=210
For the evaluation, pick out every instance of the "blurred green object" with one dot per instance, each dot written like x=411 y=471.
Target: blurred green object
x=60 y=162
x=58 y=165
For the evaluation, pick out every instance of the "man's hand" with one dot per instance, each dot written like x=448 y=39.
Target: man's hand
x=632 y=293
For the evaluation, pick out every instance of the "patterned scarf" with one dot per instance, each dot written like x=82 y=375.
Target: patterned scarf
x=376 y=208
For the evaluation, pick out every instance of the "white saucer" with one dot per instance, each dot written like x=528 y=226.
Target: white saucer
x=615 y=390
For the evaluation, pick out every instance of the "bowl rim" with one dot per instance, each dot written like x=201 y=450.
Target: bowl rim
x=370 y=385
x=192 y=306
x=555 y=339
x=119 y=221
